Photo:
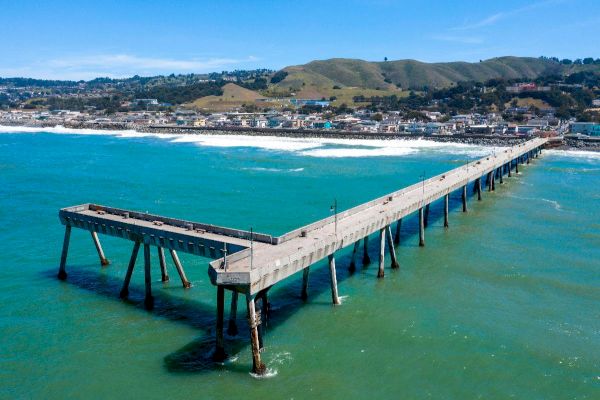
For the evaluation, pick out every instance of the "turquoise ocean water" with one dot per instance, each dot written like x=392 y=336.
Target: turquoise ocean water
x=503 y=304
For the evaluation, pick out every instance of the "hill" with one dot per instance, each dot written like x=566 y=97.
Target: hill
x=322 y=76
x=233 y=96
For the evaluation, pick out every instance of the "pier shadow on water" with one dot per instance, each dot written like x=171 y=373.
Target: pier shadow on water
x=284 y=299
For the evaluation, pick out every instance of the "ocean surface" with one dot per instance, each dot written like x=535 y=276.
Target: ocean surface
x=503 y=304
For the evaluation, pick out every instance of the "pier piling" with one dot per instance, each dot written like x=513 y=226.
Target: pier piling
x=446 y=209
x=398 y=228
x=352 y=266
x=304 y=292
x=148 y=299
x=464 y=198
x=381 y=271
x=62 y=271
x=184 y=281
x=258 y=367
x=421 y=228
x=232 y=329
x=478 y=186
x=426 y=217
x=163 y=265
x=103 y=260
x=334 y=290
x=125 y=289
x=219 y=354
x=366 y=259
x=392 y=251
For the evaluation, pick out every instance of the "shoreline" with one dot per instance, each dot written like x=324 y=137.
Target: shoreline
x=566 y=143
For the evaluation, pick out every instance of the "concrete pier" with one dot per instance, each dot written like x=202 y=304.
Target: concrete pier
x=163 y=265
x=255 y=261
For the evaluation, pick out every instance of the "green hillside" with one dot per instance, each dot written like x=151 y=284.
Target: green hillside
x=322 y=76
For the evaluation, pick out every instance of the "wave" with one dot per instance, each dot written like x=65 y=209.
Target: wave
x=312 y=147
x=273 y=169
x=589 y=155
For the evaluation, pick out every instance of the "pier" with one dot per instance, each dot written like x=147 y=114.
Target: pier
x=249 y=263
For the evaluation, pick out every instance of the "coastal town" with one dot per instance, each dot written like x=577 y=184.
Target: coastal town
x=357 y=122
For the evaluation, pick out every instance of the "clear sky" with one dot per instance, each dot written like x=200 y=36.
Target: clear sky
x=65 y=39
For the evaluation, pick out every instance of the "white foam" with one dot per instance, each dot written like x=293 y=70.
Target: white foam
x=270 y=373
x=590 y=155
x=261 y=169
x=312 y=147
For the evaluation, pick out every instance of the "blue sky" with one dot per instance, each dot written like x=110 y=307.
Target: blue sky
x=62 y=39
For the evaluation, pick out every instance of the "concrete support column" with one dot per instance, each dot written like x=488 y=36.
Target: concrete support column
x=62 y=272
x=163 y=265
x=489 y=181
x=366 y=259
x=464 y=198
x=398 y=227
x=478 y=185
x=125 y=289
x=304 y=292
x=426 y=216
x=232 y=329
x=527 y=156
x=219 y=354
x=103 y=260
x=421 y=228
x=184 y=281
x=392 y=251
x=380 y=271
x=517 y=166
x=258 y=367
x=493 y=181
x=446 y=209
x=148 y=299
x=334 y=291
x=352 y=266
x=501 y=174
x=509 y=168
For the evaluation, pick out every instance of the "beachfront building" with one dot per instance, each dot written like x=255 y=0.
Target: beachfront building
x=585 y=128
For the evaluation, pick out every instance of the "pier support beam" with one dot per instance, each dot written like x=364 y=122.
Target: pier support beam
x=258 y=367
x=446 y=209
x=366 y=259
x=464 y=198
x=184 y=281
x=489 y=181
x=103 y=260
x=232 y=329
x=148 y=299
x=62 y=272
x=501 y=174
x=125 y=289
x=334 y=290
x=163 y=265
x=304 y=292
x=517 y=166
x=509 y=169
x=426 y=217
x=493 y=181
x=478 y=188
x=390 y=244
x=352 y=266
x=398 y=227
x=381 y=271
x=219 y=354
x=421 y=228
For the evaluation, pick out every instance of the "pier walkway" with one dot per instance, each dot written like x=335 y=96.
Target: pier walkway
x=250 y=263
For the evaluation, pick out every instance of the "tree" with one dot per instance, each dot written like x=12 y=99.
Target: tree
x=566 y=61
x=588 y=60
x=385 y=58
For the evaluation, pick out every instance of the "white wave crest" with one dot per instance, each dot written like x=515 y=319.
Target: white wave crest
x=261 y=169
x=312 y=147
x=589 y=155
